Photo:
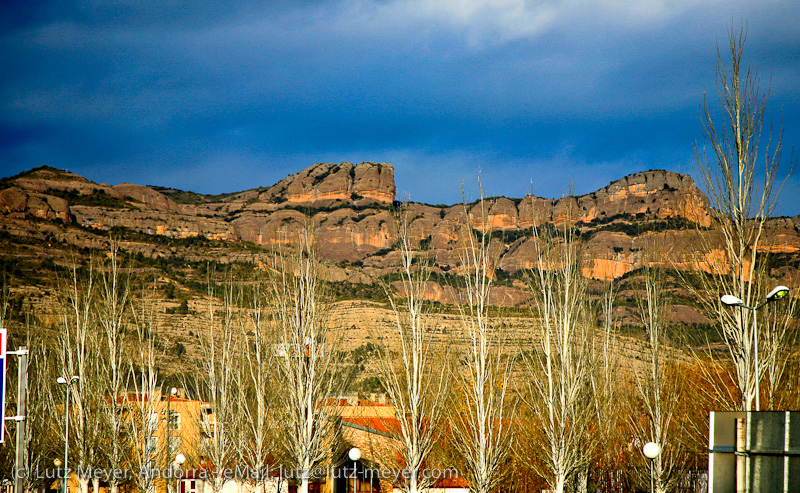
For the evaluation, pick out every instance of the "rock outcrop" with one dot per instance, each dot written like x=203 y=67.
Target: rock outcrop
x=155 y=223
x=655 y=194
x=148 y=198
x=325 y=184
x=19 y=203
x=351 y=210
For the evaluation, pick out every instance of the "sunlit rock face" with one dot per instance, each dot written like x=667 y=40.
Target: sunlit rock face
x=19 y=203
x=352 y=212
x=654 y=194
x=155 y=223
x=325 y=184
x=149 y=198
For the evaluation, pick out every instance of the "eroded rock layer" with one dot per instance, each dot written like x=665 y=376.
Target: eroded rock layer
x=351 y=209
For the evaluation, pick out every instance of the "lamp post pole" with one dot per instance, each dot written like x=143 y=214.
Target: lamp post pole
x=776 y=294
x=354 y=454
x=167 y=450
x=177 y=463
x=67 y=385
x=755 y=356
x=652 y=450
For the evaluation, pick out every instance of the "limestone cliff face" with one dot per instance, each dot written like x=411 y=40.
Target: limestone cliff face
x=154 y=223
x=661 y=193
x=327 y=183
x=655 y=194
x=46 y=193
x=783 y=236
x=148 y=198
x=342 y=234
x=350 y=210
x=45 y=179
x=19 y=203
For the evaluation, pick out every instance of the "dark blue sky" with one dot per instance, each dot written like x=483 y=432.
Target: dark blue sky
x=214 y=96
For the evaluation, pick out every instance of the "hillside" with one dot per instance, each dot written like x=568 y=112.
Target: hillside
x=351 y=209
x=49 y=216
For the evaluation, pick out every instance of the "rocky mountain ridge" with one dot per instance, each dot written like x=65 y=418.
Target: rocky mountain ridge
x=173 y=240
x=351 y=208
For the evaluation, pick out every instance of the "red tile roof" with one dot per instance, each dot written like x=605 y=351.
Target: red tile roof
x=381 y=425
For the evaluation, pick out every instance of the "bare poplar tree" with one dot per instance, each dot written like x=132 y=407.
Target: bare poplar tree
x=304 y=367
x=257 y=385
x=111 y=311
x=656 y=386
x=144 y=418
x=216 y=384
x=742 y=193
x=483 y=436
x=560 y=372
x=413 y=369
x=79 y=356
x=604 y=382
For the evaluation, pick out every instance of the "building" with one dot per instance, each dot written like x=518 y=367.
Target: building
x=181 y=428
x=372 y=427
x=166 y=426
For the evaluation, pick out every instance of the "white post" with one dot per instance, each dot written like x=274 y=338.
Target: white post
x=755 y=351
x=354 y=454
x=22 y=386
x=67 y=384
x=652 y=450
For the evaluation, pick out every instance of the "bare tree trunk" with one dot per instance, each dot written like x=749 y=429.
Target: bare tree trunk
x=217 y=384
x=483 y=438
x=560 y=375
x=257 y=382
x=304 y=366
x=413 y=368
x=79 y=347
x=657 y=387
x=144 y=421
x=742 y=199
x=112 y=305
x=605 y=385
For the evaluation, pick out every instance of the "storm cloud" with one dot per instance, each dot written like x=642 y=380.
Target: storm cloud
x=224 y=96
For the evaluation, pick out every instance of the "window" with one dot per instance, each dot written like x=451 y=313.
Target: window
x=152 y=446
x=174 y=420
x=188 y=486
x=174 y=445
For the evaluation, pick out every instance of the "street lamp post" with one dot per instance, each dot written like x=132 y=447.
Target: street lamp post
x=778 y=293
x=67 y=384
x=180 y=459
x=354 y=454
x=173 y=391
x=57 y=463
x=651 y=450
